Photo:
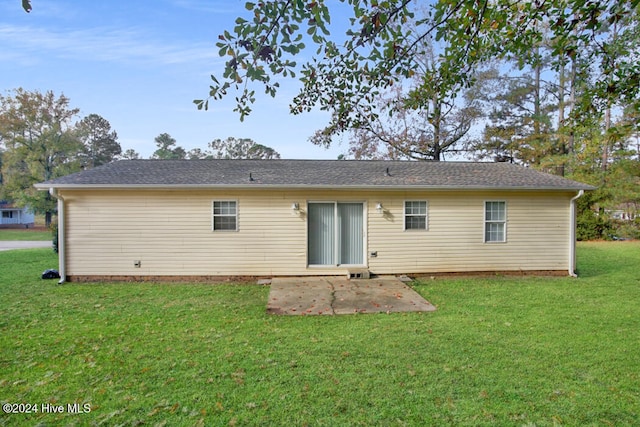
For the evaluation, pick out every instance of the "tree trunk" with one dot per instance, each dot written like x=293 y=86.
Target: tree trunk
x=605 y=139
x=537 y=128
x=572 y=103
x=606 y=144
x=436 y=149
x=561 y=136
x=536 y=100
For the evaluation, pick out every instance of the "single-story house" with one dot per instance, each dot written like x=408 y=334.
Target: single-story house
x=12 y=216
x=153 y=219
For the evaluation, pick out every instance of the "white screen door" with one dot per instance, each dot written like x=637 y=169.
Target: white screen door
x=336 y=233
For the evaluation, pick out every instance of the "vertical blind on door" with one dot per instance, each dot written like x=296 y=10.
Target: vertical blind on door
x=321 y=233
x=336 y=233
x=350 y=233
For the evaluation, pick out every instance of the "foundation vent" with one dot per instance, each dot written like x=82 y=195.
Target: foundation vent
x=358 y=274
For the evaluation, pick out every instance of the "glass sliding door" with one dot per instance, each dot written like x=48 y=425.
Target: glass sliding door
x=350 y=233
x=321 y=233
x=335 y=233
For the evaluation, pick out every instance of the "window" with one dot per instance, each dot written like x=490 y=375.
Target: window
x=225 y=215
x=7 y=214
x=495 y=222
x=415 y=215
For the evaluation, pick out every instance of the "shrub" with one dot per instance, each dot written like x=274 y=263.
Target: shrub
x=627 y=229
x=591 y=226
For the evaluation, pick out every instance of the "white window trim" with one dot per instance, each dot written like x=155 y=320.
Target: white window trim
x=484 y=222
x=213 y=215
x=404 y=216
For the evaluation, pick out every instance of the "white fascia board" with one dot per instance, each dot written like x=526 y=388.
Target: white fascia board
x=288 y=187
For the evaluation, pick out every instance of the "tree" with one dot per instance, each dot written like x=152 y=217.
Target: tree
x=416 y=127
x=241 y=148
x=1 y=187
x=198 y=153
x=519 y=127
x=130 y=154
x=100 y=142
x=40 y=145
x=167 y=148
x=403 y=132
x=379 y=50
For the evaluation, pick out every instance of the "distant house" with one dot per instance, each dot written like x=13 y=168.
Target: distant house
x=12 y=216
x=154 y=219
x=624 y=212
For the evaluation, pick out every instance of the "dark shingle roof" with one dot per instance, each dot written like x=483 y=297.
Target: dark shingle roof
x=311 y=173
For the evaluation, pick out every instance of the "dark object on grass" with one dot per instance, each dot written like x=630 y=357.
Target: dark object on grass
x=51 y=274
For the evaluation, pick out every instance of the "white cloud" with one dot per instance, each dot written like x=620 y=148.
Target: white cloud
x=100 y=44
x=216 y=7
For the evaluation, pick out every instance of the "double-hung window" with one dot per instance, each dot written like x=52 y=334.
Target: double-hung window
x=415 y=215
x=225 y=215
x=495 y=222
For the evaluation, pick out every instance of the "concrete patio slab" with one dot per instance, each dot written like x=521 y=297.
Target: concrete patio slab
x=338 y=295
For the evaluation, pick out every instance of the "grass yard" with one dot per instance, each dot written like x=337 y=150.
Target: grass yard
x=25 y=234
x=499 y=351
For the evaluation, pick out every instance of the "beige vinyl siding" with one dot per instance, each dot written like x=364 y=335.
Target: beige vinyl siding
x=170 y=232
x=537 y=234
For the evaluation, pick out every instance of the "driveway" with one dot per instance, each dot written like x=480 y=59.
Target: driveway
x=337 y=295
x=7 y=245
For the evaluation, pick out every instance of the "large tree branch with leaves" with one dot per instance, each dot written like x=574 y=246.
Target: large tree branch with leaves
x=347 y=71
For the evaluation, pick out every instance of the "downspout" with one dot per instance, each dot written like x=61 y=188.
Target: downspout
x=61 y=236
x=572 y=234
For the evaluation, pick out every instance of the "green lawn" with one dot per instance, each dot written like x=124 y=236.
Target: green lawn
x=25 y=234
x=499 y=351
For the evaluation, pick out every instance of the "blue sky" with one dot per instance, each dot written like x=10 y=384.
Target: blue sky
x=140 y=64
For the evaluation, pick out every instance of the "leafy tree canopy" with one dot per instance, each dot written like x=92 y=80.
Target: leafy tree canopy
x=130 y=154
x=241 y=148
x=168 y=148
x=100 y=141
x=37 y=133
x=379 y=50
